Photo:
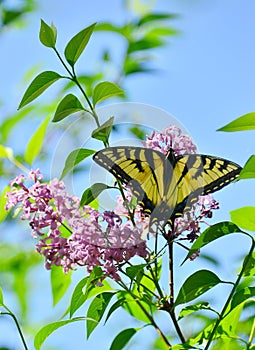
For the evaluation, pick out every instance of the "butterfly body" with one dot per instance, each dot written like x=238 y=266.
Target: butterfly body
x=166 y=185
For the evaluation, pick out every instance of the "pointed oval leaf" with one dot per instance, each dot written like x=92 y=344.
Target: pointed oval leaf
x=103 y=132
x=195 y=285
x=114 y=307
x=130 y=305
x=248 y=171
x=244 y=217
x=92 y=192
x=60 y=282
x=47 y=330
x=74 y=158
x=188 y=310
x=242 y=295
x=245 y=122
x=34 y=145
x=68 y=105
x=48 y=34
x=77 y=44
x=97 y=309
x=85 y=290
x=123 y=338
x=105 y=90
x=211 y=234
x=38 y=86
x=249 y=265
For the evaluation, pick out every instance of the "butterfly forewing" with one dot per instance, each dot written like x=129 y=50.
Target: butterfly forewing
x=140 y=168
x=200 y=175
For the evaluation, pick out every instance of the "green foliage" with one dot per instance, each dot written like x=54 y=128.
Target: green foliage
x=48 y=34
x=92 y=193
x=34 y=145
x=102 y=133
x=74 y=158
x=195 y=285
x=96 y=310
x=105 y=90
x=60 y=282
x=47 y=330
x=88 y=288
x=38 y=86
x=77 y=44
x=248 y=171
x=68 y=105
x=212 y=233
x=245 y=122
x=123 y=338
x=244 y=217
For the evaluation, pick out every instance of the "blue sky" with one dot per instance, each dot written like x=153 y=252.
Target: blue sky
x=206 y=79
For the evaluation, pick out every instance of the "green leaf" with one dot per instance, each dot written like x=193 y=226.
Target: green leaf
x=48 y=34
x=248 y=171
x=123 y=338
x=97 y=309
x=242 y=295
x=85 y=289
x=1 y=297
x=188 y=310
x=119 y=303
x=105 y=90
x=92 y=192
x=145 y=44
x=249 y=263
x=60 y=281
x=245 y=122
x=6 y=152
x=228 y=326
x=130 y=305
x=195 y=285
x=103 y=132
x=38 y=86
x=35 y=143
x=74 y=158
x=244 y=217
x=152 y=17
x=3 y=201
x=77 y=44
x=135 y=270
x=47 y=330
x=211 y=234
x=138 y=132
x=68 y=105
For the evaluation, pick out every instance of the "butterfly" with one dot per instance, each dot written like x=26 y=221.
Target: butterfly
x=166 y=186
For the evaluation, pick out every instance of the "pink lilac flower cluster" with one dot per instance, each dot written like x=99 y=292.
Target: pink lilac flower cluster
x=70 y=236
x=172 y=138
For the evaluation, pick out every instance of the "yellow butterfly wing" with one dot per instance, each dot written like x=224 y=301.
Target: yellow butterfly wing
x=140 y=168
x=199 y=175
x=166 y=186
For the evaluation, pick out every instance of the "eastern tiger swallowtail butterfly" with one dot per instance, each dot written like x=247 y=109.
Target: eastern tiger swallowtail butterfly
x=166 y=186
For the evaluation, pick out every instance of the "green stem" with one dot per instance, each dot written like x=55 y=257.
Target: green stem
x=252 y=333
x=9 y=313
x=246 y=261
x=147 y=314
x=171 y=292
